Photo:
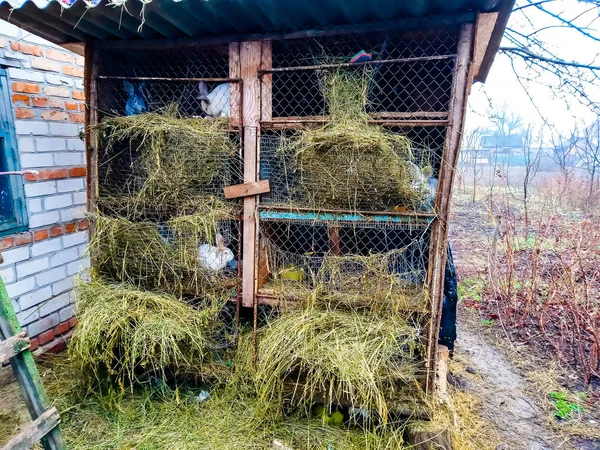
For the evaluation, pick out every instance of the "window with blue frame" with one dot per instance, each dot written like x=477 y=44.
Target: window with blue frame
x=13 y=216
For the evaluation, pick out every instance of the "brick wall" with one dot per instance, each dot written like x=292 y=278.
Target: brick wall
x=48 y=102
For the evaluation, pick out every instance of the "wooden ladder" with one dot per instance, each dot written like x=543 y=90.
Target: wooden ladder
x=14 y=345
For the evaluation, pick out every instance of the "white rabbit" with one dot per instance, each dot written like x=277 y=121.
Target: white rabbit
x=215 y=258
x=216 y=102
x=423 y=179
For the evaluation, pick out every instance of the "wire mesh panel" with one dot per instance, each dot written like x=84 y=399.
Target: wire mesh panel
x=409 y=72
x=335 y=260
x=404 y=179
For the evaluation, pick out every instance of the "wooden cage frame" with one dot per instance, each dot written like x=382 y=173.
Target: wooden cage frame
x=247 y=58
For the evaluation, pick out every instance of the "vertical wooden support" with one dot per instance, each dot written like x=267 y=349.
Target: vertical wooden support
x=91 y=120
x=235 y=89
x=439 y=230
x=26 y=373
x=266 y=87
x=250 y=60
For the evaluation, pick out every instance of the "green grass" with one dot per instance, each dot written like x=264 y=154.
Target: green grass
x=565 y=409
x=470 y=289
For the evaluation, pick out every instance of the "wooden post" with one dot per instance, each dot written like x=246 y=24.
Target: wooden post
x=266 y=88
x=26 y=373
x=91 y=120
x=250 y=60
x=235 y=99
x=439 y=230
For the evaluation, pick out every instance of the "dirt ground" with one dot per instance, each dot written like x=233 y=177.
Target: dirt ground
x=514 y=386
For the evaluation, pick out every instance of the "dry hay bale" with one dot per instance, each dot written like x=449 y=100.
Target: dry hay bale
x=138 y=254
x=125 y=334
x=362 y=358
x=349 y=163
x=178 y=159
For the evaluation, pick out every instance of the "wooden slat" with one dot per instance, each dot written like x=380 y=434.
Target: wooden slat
x=235 y=89
x=13 y=346
x=266 y=87
x=26 y=372
x=439 y=229
x=246 y=189
x=39 y=428
x=484 y=27
x=250 y=59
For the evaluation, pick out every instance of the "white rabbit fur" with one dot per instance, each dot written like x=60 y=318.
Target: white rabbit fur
x=215 y=258
x=216 y=102
x=423 y=179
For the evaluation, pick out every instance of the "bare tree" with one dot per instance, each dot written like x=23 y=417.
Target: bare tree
x=590 y=152
x=524 y=42
x=472 y=153
x=504 y=121
x=563 y=153
x=532 y=164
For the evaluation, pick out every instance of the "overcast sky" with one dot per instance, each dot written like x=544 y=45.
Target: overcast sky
x=503 y=85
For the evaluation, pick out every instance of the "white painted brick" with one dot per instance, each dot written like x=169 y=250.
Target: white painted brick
x=71 y=214
x=75 y=144
x=67 y=313
x=64 y=257
x=40 y=188
x=8 y=275
x=77 y=266
x=47 y=246
x=64 y=129
x=15 y=305
x=38 y=40
x=33 y=160
x=39 y=220
x=9 y=54
x=79 y=198
x=15 y=255
x=70 y=240
x=58 y=201
x=50 y=144
x=26 y=317
x=59 y=80
x=62 y=286
x=20 y=287
x=28 y=127
x=29 y=75
x=82 y=249
x=50 y=276
x=34 y=205
x=25 y=144
x=55 y=304
x=32 y=266
x=71 y=185
x=79 y=83
x=43 y=325
x=34 y=298
x=68 y=159
x=10 y=30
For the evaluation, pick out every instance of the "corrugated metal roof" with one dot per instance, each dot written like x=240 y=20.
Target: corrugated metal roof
x=66 y=21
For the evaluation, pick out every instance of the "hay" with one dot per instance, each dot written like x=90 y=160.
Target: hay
x=362 y=358
x=138 y=254
x=126 y=335
x=179 y=160
x=352 y=282
x=348 y=163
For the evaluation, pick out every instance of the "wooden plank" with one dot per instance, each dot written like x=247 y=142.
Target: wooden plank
x=443 y=356
x=333 y=233
x=246 y=189
x=39 y=428
x=91 y=68
x=266 y=86
x=484 y=27
x=235 y=89
x=250 y=58
x=439 y=229
x=26 y=372
x=13 y=346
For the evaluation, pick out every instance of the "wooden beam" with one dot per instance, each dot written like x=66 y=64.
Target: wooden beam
x=247 y=189
x=13 y=346
x=91 y=68
x=26 y=372
x=266 y=85
x=36 y=430
x=439 y=229
x=484 y=27
x=235 y=89
x=250 y=60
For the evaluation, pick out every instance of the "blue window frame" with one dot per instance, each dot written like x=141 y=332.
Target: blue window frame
x=13 y=214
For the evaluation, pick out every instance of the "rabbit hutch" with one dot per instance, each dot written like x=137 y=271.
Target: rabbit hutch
x=295 y=159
